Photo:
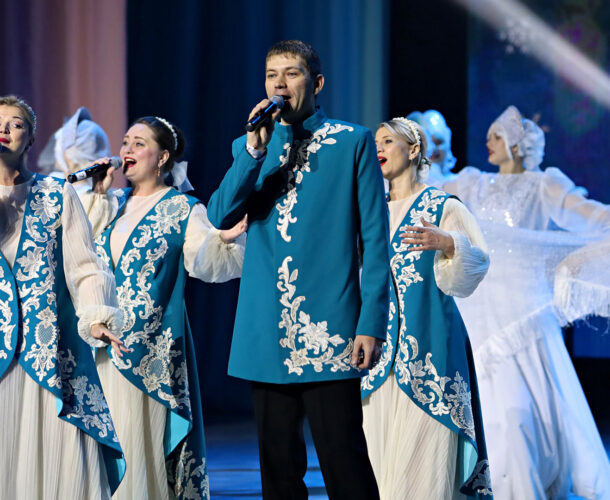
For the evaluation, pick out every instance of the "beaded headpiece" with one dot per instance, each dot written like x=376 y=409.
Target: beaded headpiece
x=171 y=129
x=411 y=125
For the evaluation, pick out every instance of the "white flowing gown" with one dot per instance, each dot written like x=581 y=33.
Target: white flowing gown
x=41 y=456
x=542 y=440
x=413 y=455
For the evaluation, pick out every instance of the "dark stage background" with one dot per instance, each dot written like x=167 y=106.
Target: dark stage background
x=200 y=64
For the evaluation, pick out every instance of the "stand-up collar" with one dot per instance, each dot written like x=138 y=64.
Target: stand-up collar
x=310 y=125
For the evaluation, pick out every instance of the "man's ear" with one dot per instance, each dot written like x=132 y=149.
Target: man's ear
x=318 y=84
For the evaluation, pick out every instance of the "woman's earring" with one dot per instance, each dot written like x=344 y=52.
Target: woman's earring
x=158 y=171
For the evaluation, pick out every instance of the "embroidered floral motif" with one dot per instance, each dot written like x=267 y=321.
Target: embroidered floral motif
x=301 y=330
x=44 y=349
x=298 y=157
x=442 y=395
x=35 y=274
x=189 y=479
x=7 y=323
x=159 y=368
x=480 y=480
x=387 y=354
x=427 y=207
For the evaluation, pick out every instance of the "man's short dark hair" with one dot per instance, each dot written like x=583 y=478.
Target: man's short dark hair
x=301 y=49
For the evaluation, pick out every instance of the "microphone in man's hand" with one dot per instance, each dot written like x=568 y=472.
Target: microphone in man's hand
x=98 y=168
x=277 y=102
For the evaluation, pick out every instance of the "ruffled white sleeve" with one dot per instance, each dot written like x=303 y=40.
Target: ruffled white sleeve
x=581 y=286
x=101 y=209
x=206 y=256
x=90 y=282
x=459 y=275
x=569 y=209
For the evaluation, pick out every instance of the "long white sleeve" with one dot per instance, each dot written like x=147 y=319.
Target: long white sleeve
x=459 y=275
x=91 y=284
x=206 y=256
x=101 y=209
x=569 y=209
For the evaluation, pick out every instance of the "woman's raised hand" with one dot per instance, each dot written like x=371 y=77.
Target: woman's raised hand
x=229 y=235
x=103 y=180
x=428 y=237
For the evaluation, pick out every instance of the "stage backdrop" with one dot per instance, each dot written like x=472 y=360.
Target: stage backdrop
x=62 y=54
x=502 y=71
x=201 y=66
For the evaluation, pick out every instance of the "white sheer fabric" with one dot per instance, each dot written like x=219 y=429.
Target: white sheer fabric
x=140 y=426
x=42 y=456
x=541 y=437
x=413 y=455
x=139 y=419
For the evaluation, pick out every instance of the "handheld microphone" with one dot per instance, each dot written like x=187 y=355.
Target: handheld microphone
x=85 y=173
x=277 y=102
x=3 y=148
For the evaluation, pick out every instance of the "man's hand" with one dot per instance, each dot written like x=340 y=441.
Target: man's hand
x=100 y=332
x=367 y=351
x=259 y=138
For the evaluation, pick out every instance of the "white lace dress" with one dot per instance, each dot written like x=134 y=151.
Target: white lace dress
x=41 y=456
x=541 y=437
x=139 y=419
x=413 y=455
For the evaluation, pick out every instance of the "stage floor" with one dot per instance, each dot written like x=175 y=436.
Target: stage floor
x=233 y=461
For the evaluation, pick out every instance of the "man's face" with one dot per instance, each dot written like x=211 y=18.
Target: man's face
x=286 y=75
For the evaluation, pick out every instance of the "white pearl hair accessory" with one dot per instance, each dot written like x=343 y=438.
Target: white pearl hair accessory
x=411 y=125
x=171 y=129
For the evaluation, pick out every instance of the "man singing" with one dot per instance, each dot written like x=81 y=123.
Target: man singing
x=306 y=324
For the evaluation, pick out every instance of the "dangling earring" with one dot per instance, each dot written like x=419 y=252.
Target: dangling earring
x=158 y=171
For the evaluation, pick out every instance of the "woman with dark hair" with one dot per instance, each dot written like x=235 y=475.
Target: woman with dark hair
x=158 y=237
x=549 y=265
x=57 y=439
x=422 y=418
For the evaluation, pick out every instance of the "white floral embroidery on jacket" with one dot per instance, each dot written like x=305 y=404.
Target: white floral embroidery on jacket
x=298 y=156
x=318 y=346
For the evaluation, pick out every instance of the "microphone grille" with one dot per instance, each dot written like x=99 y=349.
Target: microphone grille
x=116 y=162
x=278 y=100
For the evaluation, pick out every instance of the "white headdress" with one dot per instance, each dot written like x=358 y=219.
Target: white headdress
x=79 y=138
x=524 y=133
x=531 y=147
x=512 y=123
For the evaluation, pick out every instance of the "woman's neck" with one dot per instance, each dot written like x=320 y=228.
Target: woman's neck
x=404 y=186
x=146 y=188
x=13 y=173
x=511 y=167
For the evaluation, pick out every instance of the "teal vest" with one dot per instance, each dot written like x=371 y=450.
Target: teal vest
x=39 y=324
x=150 y=278
x=428 y=349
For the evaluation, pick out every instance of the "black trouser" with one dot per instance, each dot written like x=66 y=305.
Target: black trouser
x=334 y=412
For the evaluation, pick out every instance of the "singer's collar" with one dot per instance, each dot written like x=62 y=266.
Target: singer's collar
x=310 y=124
